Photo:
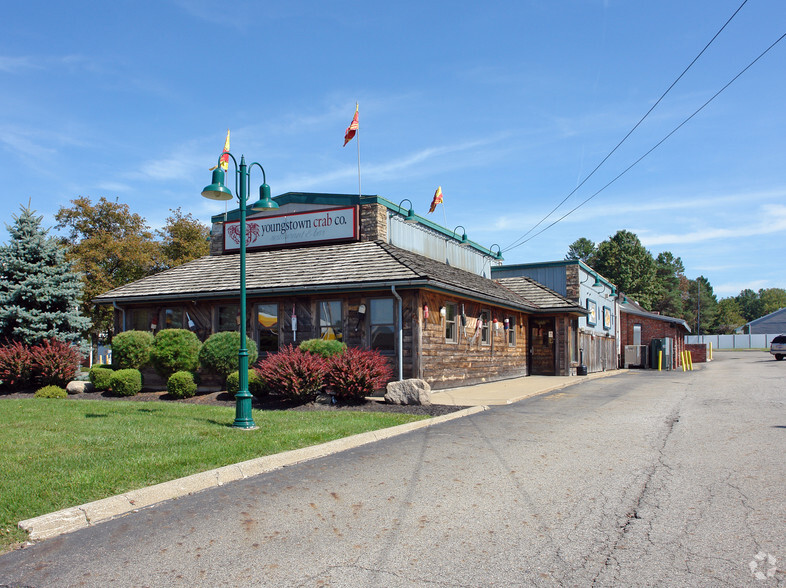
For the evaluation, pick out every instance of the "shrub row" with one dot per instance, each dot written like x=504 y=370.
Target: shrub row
x=176 y=350
x=52 y=362
x=301 y=375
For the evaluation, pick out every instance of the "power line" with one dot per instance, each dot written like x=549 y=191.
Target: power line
x=674 y=83
x=658 y=144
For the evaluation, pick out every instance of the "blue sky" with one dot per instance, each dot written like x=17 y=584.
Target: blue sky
x=507 y=106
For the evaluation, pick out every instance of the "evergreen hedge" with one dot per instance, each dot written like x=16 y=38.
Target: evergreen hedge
x=131 y=349
x=126 y=382
x=219 y=354
x=175 y=350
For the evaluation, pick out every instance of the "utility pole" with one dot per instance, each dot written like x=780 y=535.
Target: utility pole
x=698 y=305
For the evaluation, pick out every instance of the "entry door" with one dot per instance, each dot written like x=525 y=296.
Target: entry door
x=542 y=343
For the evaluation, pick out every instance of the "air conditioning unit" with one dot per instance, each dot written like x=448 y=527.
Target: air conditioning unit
x=635 y=356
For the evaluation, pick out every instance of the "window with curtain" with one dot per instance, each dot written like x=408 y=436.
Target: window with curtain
x=451 y=324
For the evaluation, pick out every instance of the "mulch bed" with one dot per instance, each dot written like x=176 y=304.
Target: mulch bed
x=270 y=403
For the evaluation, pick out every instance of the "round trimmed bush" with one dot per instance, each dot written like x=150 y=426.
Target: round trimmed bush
x=51 y=392
x=99 y=377
x=131 y=349
x=255 y=384
x=219 y=353
x=175 y=350
x=181 y=385
x=322 y=347
x=126 y=382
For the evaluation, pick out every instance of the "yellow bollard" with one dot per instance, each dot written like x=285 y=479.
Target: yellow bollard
x=690 y=360
x=660 y=359
x=710 y=350
x=682 y=360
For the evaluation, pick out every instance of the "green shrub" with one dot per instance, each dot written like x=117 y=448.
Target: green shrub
x=219 y=353
x=322 y=347
x=175 y=350
x=51 y=392
x=126 y=382
x=131 y=349
x=181 y=385
x=100 y=377
x=255 y=384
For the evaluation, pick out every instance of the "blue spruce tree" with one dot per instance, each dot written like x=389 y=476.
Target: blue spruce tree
x=39 y=289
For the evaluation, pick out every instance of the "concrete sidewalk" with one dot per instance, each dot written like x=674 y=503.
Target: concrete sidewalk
x=510 y=391
x=478 y=398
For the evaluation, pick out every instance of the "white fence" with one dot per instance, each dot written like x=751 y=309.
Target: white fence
x=733 y=341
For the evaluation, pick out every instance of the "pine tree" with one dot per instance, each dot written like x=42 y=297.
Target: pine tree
x=39 y=289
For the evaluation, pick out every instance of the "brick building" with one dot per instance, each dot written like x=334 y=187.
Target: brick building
x=639 y=327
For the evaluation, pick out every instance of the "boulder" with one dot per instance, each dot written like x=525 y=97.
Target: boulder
x=79 y=387
x=408 y=392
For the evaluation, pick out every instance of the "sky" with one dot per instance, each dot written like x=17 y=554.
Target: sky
x=508 y=106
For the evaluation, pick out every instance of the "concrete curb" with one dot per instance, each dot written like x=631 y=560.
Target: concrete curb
x=86 y=515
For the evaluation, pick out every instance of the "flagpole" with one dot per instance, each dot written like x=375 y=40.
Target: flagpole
x=360 y=193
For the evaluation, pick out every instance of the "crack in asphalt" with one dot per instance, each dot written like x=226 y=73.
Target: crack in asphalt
x=626 y=525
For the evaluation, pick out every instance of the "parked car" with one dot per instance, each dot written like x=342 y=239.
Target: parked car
x=778 y=347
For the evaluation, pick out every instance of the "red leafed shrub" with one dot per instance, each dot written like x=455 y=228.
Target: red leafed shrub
x=293 y=373
x=357 y=373
x=55 y=362
x=16 y=365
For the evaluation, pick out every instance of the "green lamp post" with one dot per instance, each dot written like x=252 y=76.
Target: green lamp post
x=218 y=191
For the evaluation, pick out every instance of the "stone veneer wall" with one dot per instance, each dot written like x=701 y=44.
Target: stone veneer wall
x=572 y=282
x=373 y=222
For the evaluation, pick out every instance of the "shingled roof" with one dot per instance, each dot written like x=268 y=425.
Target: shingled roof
x=539 y=295
x=364 y=265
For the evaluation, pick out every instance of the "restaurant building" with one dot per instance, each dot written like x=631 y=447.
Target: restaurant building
x=370 y=273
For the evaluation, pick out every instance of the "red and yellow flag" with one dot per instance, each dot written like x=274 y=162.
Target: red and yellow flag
x=224 y=158
x=352 y=128
x=437 y=200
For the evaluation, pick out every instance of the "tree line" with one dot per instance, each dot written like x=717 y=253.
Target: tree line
x=659 y=284
x=48 y=282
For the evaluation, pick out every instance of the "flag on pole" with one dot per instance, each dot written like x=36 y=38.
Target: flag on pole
x=437 y=200
x=224 y=158
x=352 y=128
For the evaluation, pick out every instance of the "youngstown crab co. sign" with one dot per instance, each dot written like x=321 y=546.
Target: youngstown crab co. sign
x=335 y=224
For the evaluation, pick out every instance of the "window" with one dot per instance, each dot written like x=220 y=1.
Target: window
x=637 y=334
x=229 y=318
x=330 y=323
x=173 y=318
x=485 y=332
x=267 y=328
x=451 y=328
x=383 y=325
x=574 y=340
x=141 y=320
x=511 y=332
x=592 y=317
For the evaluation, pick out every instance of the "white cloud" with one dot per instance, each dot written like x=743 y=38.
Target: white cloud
x=387 y=169
x=772 y=220
x=15 y=64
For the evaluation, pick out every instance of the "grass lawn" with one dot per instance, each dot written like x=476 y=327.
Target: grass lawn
x=60 y=453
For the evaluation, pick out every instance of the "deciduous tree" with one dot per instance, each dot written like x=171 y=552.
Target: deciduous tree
x=111 y=246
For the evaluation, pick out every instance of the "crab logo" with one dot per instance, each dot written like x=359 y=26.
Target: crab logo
x=252 y=233
x=762 y=566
